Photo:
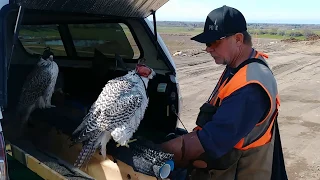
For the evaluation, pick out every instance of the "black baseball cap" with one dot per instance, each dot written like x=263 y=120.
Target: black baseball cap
x=220 y=23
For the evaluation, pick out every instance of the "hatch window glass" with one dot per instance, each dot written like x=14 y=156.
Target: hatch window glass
x=35 y=38
x=108 y=38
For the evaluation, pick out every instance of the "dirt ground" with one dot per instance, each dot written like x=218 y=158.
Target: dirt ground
x=296 y=66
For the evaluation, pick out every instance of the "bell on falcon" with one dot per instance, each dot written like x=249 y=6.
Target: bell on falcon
x=38 y=87
x=115 y=114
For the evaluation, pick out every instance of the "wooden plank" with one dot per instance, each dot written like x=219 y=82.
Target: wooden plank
x=33 y=164
x=41 y=169
x=97 y=167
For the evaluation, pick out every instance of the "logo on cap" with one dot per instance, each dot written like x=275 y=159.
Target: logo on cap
x=214 y=26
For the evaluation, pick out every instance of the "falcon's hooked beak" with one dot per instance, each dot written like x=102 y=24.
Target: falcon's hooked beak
x=47 y=54
x=50 y=58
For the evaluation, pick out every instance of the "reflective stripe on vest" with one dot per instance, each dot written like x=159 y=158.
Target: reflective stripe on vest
x=252 y=73
x=214 y=99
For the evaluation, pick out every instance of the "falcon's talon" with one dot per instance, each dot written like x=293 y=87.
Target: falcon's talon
x=127 y=144
x=132 y=140
x=50 y=106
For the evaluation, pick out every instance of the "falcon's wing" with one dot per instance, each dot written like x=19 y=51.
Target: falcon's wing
x=35 y=84
x=109 y=113
x=124 y=108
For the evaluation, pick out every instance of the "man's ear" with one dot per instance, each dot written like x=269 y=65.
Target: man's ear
x=239 y=39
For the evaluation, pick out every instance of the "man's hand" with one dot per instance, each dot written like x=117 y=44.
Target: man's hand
x=186 y=148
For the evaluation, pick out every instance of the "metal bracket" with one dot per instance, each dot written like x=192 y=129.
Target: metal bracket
x=15 y=34
x=155 y=31
x=154 y=24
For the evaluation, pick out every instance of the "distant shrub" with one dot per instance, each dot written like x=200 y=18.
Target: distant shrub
x=262 y=31
x=308 y=33
x=295 y=34
x=273 y=31
x=252 y=32
x=281 y=32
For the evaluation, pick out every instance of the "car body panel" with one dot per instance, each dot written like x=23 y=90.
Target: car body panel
x=123 y=8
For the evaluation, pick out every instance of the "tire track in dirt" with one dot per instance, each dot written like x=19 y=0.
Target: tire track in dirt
x=199 y=71
x=197 y=77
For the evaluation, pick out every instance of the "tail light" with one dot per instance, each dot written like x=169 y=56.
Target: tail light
x=3 y=159
x=3 y=156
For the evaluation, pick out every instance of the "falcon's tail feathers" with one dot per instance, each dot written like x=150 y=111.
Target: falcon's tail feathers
x=90 y=147
x=85 y=154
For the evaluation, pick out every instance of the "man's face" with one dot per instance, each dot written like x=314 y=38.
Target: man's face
x=223 y=51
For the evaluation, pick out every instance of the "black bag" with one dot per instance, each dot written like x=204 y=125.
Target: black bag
x=205 y=115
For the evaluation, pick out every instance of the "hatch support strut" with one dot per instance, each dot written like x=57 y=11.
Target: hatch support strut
x=15 y=35
x=155 y=31
x=154 y=24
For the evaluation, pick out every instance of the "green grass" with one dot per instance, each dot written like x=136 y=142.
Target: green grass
x=254 y=32
x=179 y=30
x=40 y=32
x=275 y=33
x=269 y=36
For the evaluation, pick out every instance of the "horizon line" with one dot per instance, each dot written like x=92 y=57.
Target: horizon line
x=248 y=22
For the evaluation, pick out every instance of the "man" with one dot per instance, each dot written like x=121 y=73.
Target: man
x=237 y=135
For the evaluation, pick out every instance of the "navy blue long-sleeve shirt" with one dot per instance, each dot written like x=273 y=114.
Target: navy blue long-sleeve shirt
x=234 y=119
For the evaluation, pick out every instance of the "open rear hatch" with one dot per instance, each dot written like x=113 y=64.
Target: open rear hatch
x=57 y=143
x=114 y=8
x=123 y=8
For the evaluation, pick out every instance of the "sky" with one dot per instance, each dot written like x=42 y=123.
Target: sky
x=261 y=11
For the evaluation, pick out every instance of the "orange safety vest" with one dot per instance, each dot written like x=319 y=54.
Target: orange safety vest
x=251 y=73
